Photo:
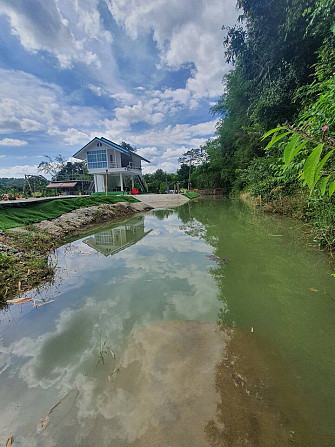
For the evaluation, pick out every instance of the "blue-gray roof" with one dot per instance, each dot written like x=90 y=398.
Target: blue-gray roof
x=112 y=144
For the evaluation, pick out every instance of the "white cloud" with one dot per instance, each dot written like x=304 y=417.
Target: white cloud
x=185 y=32
x=147 y=152
x=70 y=136
x=174 y=152
x=180 y=134
x=18 y=171
x=99 y=91
x=65 y=30
x=147 y=112
x=28 y=105
x=12 y=142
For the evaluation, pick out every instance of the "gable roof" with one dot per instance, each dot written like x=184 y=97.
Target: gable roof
x=112 y=144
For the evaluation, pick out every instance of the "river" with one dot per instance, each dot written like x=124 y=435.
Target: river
x=205 y=325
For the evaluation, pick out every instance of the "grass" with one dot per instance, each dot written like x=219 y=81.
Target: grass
x=29 y=267
x=191 y=195
x=19 y=214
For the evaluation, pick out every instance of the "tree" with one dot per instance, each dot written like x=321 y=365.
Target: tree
x=50 y=166
x=128 y=146
x=192 y=158
x=74 y=170
x=60 y=169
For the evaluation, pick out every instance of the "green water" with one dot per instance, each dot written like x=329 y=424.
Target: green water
x=147 y=289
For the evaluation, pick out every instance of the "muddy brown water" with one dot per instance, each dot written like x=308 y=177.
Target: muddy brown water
x=146 y=339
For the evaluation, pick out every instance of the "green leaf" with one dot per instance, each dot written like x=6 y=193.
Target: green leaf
x=323 y=185
x=276 y=129
x=310 y=166
x=322 y=163
x=331 y=188
x=298 y=149
x=275 y=139
x=290 y=148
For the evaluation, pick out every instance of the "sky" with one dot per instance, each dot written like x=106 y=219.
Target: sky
x=141 y=71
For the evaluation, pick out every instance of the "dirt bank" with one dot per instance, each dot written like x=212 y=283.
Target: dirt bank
x=24 y=261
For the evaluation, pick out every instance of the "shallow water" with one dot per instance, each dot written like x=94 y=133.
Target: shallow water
x=193 y=351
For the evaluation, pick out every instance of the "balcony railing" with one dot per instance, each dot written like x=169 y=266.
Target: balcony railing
x=133 y=167
x=130 y=167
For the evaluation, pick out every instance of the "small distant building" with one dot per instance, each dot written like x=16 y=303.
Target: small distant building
x=114 y=167
x=71 y=187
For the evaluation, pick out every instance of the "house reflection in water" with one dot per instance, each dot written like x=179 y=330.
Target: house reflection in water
x=118 y=238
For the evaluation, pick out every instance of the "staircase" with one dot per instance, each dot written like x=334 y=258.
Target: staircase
x=90 y=188
x=142 y=182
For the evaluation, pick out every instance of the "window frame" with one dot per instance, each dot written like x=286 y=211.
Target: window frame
x=96 y=159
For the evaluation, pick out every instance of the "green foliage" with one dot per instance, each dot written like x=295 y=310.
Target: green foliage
x=316 y=171
x=15 y=184
x=157 y=179
x=191 y=195
x=318 y=106
x=275 y=50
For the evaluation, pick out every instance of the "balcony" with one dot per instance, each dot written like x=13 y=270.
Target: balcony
x=130 y=167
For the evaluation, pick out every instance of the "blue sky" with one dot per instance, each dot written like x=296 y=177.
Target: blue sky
x=141 y=71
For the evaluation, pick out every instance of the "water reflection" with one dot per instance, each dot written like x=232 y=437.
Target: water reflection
x=113 y=240
x=46 y=354
x=155 y=303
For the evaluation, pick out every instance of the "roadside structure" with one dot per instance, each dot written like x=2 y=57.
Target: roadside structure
x=114 y=167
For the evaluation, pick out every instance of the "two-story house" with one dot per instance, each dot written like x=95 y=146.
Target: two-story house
x=112 y=165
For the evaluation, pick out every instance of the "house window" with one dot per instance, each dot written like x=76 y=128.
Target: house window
x=96 y=159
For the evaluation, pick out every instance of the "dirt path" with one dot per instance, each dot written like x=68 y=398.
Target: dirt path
x=162 y=200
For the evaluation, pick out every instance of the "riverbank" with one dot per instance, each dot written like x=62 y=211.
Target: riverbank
x=24 y=251
x=319 y=217
x=17 y=213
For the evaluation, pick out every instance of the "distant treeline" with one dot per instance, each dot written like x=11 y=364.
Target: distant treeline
x=15 y=183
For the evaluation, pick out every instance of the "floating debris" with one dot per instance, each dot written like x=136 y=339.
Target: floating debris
x=44 y=421
x=252 y=329
x=217 y=259
x=9 y=441
x=312 y=289
x=17 y=301
x=42 y=303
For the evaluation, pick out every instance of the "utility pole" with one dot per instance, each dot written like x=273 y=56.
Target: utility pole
x=189 y=174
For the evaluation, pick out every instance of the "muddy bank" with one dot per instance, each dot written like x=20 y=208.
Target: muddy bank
x=24 y=251
x=80 y=220
x=258 y=405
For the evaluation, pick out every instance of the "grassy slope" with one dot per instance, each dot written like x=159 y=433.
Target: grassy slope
x=191 y=195
x=18 y=214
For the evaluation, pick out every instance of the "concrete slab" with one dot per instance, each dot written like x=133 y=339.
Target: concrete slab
x=162 y=200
